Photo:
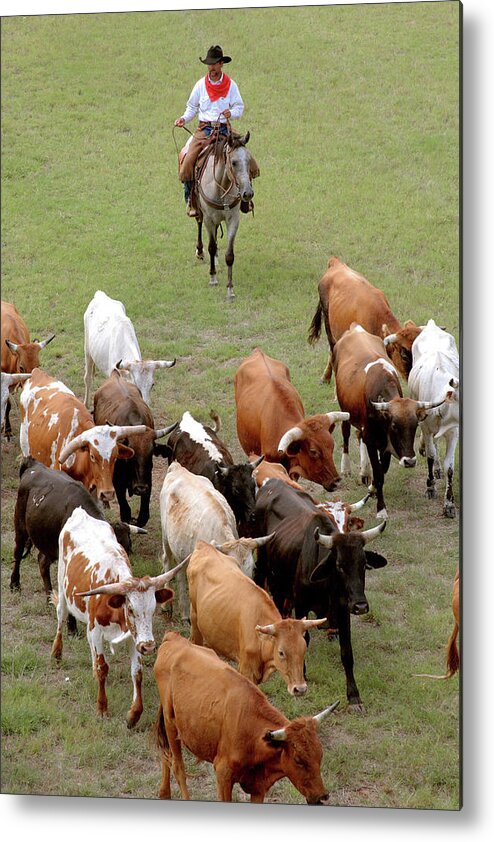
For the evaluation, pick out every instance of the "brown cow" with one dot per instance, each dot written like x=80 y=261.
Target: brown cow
x=223 y=718
x=58 y=430
x=240 y=621
x=452 y=654
x=368 y=388
x=271 y=421
x=19 y=354
x=345 y=296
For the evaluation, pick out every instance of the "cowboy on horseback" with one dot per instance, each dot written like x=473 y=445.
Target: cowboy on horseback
x=216 y=100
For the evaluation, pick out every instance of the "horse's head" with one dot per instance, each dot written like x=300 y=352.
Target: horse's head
x=238 y=163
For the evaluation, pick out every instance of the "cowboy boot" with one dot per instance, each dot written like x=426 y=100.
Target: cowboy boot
x=192 y=203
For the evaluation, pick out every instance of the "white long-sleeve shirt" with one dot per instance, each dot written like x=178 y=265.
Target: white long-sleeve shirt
x=199 y=103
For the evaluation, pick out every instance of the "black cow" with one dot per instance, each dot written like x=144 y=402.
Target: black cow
x=310 y=566
x=45 y=500
x=118 y=401
x=198 y=448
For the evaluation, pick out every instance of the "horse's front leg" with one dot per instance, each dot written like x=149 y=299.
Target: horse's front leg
x=229 y=254
x=199 y=246
x=212 y=248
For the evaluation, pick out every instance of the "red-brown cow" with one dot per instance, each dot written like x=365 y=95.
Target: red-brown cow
x=345 y=296
x=18 y=352
x=368 y=387
x=223 y=718
x=271 y=421
x=58 y=430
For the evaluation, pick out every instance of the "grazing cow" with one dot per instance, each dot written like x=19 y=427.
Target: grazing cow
x=222 y=717
x=19 y=354
x=368 y=388
x=110 y=342
x=452 y=654
x=9 y=382
x=310 y=566
x=58 y=430
x=97 y=586
x=340 y=513
x=192 y=509
x=45 y=500
x=436 y=368
x=345 y=296
x=271 y=420
x=119 y=402
x=199 y=449
x=240 y=621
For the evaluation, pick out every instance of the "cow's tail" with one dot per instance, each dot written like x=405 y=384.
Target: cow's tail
x=159 y=737
x=452 y=659
x=315 y=326
x=217 y=420
x=53 y=598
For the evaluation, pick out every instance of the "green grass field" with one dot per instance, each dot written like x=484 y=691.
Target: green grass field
x=354 y=120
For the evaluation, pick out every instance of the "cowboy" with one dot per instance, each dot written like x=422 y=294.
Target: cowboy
x=215 y=98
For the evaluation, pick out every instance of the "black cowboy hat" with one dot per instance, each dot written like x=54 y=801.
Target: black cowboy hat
x=215 y=54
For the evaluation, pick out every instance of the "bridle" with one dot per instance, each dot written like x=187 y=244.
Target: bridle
x=233 y=201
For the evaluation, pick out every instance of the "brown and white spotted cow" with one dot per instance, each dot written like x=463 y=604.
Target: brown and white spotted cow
x=58 y=430
x=97 y=586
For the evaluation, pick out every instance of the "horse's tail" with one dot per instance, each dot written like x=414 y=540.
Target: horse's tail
x=315 y=327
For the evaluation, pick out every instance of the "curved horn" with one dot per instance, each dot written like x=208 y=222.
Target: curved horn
x=119 y=365
x=334 y=417
x=370 y=534
x=323 y=540
x=354 y=507
x=46 y=341
x=11 y=345
x=257 y=462
x=309 y=624
x=270 y=629
x=318 y=718
x=129 y=430
x=164 y=363
x=17 y=377
x=430 y=404
x=382 y=406
x=280 y=734
x=158 y=581
x=264 y=539
x=136 y=530
x=291 y=435
x=389 y=339
x=109 y=589
x=71 y=447
x=165 y=430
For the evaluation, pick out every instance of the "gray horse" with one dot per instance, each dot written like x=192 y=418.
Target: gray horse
x=223 y=184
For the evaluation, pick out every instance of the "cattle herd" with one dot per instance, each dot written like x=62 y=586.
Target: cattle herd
x=252 y=553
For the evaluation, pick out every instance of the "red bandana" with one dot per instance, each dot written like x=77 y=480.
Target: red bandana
x=220 y=90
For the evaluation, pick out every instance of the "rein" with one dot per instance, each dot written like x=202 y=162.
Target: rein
x=215 y=152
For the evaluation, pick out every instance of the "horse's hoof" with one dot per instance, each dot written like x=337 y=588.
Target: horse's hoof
x=199 y=256
x=213 y=282
x=230 y=296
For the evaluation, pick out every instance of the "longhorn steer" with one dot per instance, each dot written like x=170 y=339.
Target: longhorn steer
x=368 y=388
x=310 y=566
x=45 y=500
x=222 y=717
x=120 y=403
x=96 y=585
x=192 y=509
x=345 y=296
x=199 y=449
x=58 y=430
x=436 y=368
x=271 y=420
x=240 y=621
x=110 y=342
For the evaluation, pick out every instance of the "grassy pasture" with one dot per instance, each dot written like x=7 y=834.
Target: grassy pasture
x=353 y=113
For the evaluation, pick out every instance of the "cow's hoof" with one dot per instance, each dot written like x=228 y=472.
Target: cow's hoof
x=431 y=493
x=438 y=473
x=199 y=255
x=213 y=282
x=356 y=707
x=449 y=510
x=365 y=480
x=230 y=296
x=382 y=514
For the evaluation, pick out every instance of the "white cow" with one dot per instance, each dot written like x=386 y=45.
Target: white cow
x=110 y=342
x=434 y=374
x=191 y=509
x=97 y=586
x=8 y=383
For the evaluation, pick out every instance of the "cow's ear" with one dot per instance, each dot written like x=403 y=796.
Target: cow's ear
x=163 y=450
x=124 y=452
x=321 y=572
x=293 y=448
x=116 y=600
x=374 y=560
x=164 y=595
